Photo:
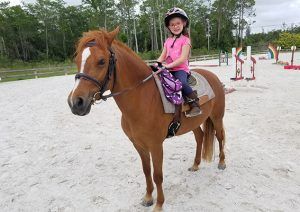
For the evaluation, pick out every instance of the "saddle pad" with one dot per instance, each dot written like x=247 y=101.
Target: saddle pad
x=197 y=82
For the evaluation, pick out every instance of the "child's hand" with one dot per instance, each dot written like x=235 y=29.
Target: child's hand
x=154 y=67
x=158 y=64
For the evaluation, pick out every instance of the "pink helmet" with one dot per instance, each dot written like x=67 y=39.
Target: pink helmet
x=176 y=12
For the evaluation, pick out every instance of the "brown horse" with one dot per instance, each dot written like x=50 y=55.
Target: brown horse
x=107 y=64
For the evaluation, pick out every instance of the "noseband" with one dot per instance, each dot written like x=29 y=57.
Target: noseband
x=102 y=85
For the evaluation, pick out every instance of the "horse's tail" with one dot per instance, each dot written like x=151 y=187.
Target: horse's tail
x=208 y=143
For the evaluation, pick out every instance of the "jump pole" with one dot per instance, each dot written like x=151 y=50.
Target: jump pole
x=252 y=69
x=278 y=51
x=292 y=66
x=238 y=70
x=293 y=48
x=233 y=53
x=251 y=64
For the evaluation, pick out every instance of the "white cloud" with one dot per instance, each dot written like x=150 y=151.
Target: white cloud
x=271 y=15
x=15 y=2
x=18 y=2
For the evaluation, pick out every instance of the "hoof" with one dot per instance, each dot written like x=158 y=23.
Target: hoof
x=221 y=166
x=147 y=203
x=157 y=209
x=193 y=169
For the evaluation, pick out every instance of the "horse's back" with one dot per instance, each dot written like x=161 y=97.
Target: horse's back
x=217 y=86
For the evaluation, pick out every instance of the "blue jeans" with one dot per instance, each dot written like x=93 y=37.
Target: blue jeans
x=182 y=76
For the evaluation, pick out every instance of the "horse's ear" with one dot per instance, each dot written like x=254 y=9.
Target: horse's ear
x=113 y=34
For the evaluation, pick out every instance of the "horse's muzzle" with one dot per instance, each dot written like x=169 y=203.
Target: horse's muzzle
x=79 y=105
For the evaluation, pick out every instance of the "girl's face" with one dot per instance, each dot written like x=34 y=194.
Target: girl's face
x=176 y=25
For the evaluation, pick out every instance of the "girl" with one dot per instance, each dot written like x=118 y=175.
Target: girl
x=176 y=52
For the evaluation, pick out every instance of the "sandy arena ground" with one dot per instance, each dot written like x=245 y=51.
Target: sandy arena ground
x=52 y=160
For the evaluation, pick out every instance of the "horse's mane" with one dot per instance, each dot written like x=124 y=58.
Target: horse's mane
x=127 y=49
x=96 y=35
x=100 y=37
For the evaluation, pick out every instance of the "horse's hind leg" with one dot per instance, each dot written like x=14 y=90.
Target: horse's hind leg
x=145 y=157
x=220 y=134
x=198 y=133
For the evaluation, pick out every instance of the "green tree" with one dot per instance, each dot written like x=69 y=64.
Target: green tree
x=47 y=12
x=244 y=11
x=17 y=32
x=287 y=39
x=104 y=12
x=127 y=15
x=222 y=15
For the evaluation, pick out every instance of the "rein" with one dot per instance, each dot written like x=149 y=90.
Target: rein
x=102 y=85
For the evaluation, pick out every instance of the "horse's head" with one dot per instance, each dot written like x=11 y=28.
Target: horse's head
x=95 y=62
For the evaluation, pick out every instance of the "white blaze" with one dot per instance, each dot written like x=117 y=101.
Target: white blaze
x=85 y=55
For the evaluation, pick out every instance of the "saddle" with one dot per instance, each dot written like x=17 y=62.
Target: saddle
x=198 y=83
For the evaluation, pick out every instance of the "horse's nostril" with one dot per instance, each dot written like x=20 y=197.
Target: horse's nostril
x=79 y=102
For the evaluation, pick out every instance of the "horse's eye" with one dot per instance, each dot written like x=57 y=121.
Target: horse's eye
x=101 y=62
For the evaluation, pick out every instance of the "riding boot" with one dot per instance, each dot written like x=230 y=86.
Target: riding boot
x=193 y=102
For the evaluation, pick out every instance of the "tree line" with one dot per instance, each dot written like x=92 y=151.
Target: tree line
x=49 y=29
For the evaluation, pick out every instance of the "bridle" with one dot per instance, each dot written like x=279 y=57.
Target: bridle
x=111 y=73
x=102 y=85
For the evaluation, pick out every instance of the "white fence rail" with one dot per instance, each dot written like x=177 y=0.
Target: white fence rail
x=36 y=73
x=7 y=75
x=194 y=58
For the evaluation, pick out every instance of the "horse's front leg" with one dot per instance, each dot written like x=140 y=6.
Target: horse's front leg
x=145 y=157
x=157 y=159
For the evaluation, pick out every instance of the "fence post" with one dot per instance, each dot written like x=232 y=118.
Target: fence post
x=35 y=74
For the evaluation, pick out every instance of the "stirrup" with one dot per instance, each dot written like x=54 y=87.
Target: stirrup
x=173 y=128
x=189 y=100
x=187 y=113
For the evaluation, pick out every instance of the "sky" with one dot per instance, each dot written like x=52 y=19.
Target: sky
x=270 y=14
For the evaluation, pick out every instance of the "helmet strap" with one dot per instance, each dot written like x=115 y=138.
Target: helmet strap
x=176 y=36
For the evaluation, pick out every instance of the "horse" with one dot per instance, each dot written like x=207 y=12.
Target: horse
x=107 y=65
